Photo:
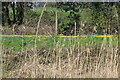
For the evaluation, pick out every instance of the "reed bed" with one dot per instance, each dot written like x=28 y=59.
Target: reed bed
x=64 y=58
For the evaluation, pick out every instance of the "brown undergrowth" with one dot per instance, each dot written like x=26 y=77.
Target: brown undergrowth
x=89 y=61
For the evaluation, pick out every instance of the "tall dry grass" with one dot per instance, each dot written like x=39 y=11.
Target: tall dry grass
x=75 y=61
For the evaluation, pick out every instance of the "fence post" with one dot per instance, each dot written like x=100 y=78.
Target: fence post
x=75 y=29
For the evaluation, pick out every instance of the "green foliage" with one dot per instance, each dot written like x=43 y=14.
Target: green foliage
x=19 y=43
x=70 y=15
x=99 y=15
x=64 y=22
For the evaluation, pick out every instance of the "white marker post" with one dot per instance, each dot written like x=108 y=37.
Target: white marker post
x=75 y=30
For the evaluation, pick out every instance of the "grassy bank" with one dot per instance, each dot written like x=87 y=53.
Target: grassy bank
x=17 y=43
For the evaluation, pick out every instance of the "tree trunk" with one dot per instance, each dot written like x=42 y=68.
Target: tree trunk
x=20 y=12
x=13 y=8
x=5 y=13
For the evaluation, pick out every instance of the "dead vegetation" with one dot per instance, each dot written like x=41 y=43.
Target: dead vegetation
x=61 y=62
x=24 y=29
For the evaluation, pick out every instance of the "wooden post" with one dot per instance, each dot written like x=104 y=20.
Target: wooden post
x=75 y=29
x=56 y=23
